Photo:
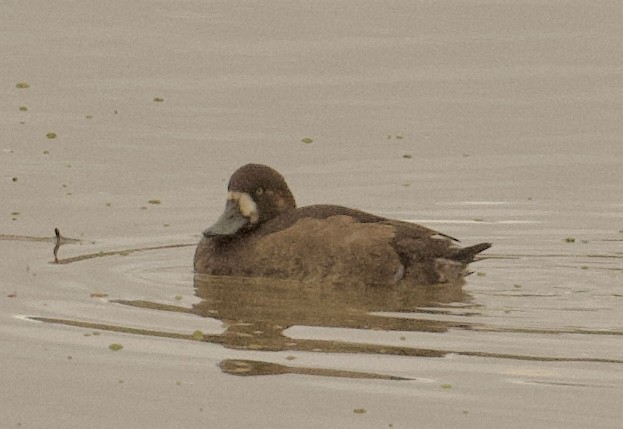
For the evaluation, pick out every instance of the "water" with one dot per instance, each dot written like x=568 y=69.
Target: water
x=537 y=325
x=490 y=121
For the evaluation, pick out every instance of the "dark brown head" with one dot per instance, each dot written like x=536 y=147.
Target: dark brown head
x=256 y=193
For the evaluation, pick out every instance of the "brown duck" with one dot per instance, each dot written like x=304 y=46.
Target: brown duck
x=263 y=234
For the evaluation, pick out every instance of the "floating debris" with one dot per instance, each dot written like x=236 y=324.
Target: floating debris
x=57 y=245
x=198 y=335
x=22 y=85
x=359 y=410
x=178 y=297
x=307 y=140
x=155 y=201
x=23 y=109
x=446 y=386
x=570 y=240
x=98 y=295
x=407 y=156
x=115 y=347
x=14 y=179
x=58 y=241
x=51 y=135
x=158 y=99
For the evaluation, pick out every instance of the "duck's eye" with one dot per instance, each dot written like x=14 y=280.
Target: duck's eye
x=259 y=191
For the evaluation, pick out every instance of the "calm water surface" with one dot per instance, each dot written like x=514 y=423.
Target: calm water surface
x=540 y=317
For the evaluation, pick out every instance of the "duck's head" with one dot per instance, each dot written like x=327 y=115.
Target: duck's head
x=256 y=193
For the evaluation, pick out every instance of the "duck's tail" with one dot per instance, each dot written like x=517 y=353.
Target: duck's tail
x=467 y=254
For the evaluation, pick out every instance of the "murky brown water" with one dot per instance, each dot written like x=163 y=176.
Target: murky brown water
x=540 y=316
x=258 y=313
x=488 y=120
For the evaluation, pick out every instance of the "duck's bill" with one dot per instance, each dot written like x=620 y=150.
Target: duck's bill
x=230 y=222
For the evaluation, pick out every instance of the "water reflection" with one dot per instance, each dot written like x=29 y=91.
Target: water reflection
x=257 y=311
x=256 y=315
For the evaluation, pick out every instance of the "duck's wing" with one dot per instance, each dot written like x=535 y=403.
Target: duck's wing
x=318 y=211
x=323 y=211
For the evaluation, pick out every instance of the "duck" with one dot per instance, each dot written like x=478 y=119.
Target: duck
x=263 y=234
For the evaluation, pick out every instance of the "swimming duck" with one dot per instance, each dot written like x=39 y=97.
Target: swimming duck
x=262 y=233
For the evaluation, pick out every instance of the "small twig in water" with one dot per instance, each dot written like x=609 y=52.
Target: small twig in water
x=57 y=245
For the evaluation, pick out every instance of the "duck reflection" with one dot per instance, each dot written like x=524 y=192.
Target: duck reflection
x=257 y=311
